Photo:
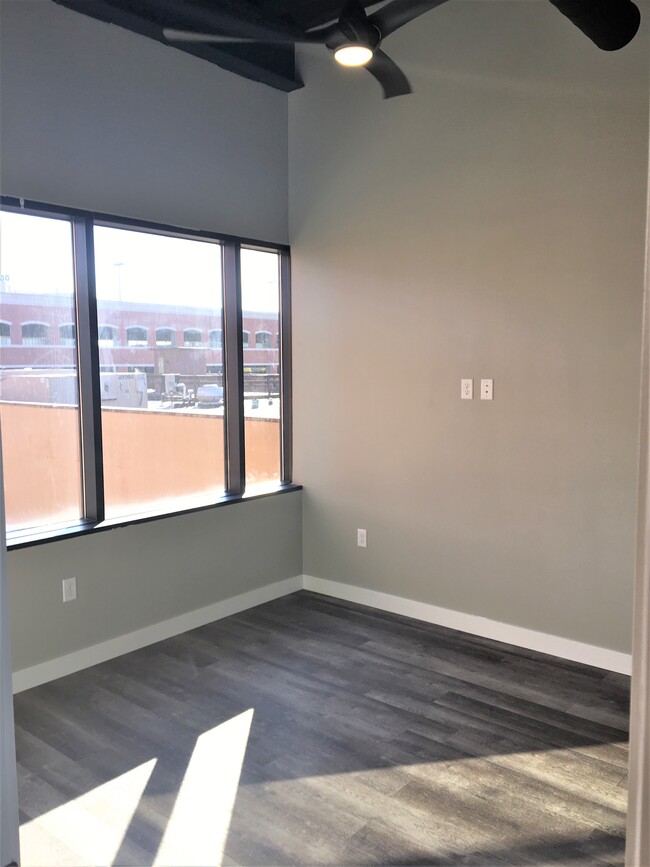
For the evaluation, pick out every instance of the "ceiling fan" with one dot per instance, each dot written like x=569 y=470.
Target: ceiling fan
x=356 y=38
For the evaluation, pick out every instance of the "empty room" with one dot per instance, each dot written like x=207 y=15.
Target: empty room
x=324 y=432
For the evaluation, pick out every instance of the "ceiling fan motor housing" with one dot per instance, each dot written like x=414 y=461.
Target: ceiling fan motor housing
x=365 y=34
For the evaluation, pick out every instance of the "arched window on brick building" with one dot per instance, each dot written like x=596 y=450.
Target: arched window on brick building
x=262 y=340
x=192 y=337
x=165 y=337
x=35 y=333
x=136 y=335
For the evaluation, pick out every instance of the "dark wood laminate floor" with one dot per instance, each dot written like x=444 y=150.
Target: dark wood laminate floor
x=315 y=731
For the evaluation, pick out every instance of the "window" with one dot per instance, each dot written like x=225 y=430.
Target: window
x=260 y=289
x=68 y=334
x=262 y=340
x=192 y=337
x=165 y=337
x=35 y=333
x=39 y=401
x=107 y=335
x=124 y=421
x=162 y=445
x=136 y=336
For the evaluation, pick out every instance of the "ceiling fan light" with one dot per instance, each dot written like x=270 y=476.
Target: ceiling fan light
x=353 y=55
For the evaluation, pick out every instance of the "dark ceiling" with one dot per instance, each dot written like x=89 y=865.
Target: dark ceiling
x=271 y=64
x=610 y=24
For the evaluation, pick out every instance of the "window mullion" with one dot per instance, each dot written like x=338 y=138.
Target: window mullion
x=286 y=383
x=233 y=357
x=89 y=380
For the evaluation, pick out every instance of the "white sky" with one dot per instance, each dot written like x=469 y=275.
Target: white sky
x=36 y=257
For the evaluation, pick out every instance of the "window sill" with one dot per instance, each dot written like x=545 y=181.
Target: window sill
x=18 y=539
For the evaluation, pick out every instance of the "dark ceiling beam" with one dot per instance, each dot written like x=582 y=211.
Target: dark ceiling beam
x=270 y=65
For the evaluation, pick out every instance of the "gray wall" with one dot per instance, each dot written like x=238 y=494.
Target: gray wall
x=489 y=225
x=9 y=841
x=133 y=577
x=98 y=118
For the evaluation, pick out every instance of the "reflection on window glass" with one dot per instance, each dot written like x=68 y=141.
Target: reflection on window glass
x=162 y=397
x=38 y=375
x=260 y=277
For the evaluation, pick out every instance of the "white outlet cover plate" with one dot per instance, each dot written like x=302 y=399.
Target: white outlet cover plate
x=69 y=589
x=467 y=389
x=487 y=389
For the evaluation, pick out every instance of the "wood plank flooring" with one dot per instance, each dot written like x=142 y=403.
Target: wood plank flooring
x=315 y=731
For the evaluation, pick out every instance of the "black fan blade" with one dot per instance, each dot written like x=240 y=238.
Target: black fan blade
x=388 y=74
x=272 y=37
x=394 y=15
x=610 y=24
x=353 y=11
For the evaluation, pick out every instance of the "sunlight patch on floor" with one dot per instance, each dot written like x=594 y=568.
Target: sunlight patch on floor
x=429 y=797
x=198 y=827
x=88 y=829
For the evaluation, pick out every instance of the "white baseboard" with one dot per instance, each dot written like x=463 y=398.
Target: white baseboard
x=105 y=650
x=565 y=648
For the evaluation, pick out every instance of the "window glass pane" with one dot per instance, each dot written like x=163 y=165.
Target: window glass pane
x=162 y=396
x=39 y=402
x=260 y=275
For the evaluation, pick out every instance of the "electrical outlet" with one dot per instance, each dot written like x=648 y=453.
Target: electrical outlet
x=362 y=539
x=487 y=389
x=467 y=389
x=69 y=589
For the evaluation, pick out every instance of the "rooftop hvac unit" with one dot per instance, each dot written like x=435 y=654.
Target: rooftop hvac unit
x=108 y=383
x=124 y=389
